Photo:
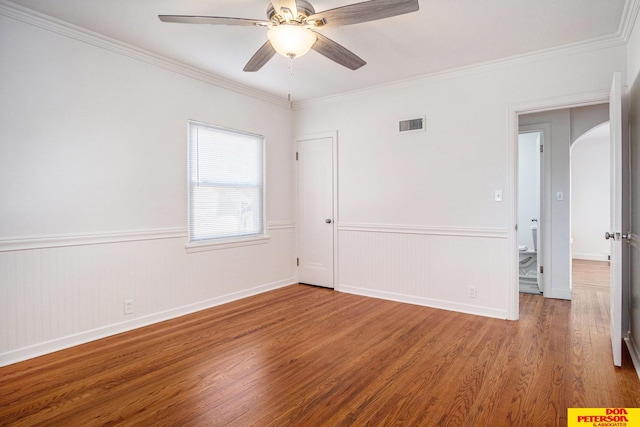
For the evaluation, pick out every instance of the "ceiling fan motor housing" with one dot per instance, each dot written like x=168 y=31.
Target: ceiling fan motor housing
x=304 y=10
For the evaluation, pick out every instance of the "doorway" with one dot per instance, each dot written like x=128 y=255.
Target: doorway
x=554 y=232
x=530 y=218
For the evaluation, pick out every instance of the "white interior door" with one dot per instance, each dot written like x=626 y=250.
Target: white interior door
x=315 y=212
x=615 y=235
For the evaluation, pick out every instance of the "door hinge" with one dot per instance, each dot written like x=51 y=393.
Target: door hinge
x=296 y=155
x=541 y=269
x=298 y=262
x=541 y=148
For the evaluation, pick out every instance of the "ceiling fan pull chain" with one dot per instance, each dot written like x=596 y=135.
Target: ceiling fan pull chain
x=290 y=77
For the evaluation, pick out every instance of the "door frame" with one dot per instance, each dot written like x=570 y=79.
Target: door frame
x=335 y=224
x=515 y=110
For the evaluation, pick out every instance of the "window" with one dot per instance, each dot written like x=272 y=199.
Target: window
x=226 y=184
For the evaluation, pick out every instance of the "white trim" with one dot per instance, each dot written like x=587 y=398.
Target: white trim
x=280 y=225
x=426 y=302
x=496 y=233
x=590 y=257
x=562 y=102
x=513 y=257
x=594 y=44
x=32 y=17
x=628 y=20
x=236 y=242
x=40 y=349
x=62 y=240
x=54 y=241
x=557 y=293
x=75 y=32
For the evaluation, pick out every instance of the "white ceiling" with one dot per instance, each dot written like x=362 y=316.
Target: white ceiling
x=443 y=34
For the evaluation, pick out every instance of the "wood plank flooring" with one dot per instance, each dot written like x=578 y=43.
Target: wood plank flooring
x=306 y=356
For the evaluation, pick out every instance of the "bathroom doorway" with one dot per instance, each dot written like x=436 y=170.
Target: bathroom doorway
x=530 y=212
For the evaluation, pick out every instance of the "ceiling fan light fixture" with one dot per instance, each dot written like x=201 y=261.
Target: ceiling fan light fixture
x=291 y=40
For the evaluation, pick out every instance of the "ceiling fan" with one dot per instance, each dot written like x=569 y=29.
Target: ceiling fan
x=292 y=23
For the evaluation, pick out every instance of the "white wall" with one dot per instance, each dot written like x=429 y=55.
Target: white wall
x=590 y=213
x=93 y=184
x=583 y=119
x=432 y=193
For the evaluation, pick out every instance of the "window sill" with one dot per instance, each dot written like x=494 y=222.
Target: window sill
x=212 y=245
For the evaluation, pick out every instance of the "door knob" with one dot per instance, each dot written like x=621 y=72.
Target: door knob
x=328 y=221
x=617 y=236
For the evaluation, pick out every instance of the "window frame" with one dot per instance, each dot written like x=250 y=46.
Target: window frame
x=224 y=242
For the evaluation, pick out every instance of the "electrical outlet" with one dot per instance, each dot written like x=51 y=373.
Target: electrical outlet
x=472 y=291
x=128 y=306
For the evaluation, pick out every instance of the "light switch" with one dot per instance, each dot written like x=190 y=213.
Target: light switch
x=559 y=196
x=497 y=196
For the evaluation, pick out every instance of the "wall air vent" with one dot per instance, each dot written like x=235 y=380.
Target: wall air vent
x=412 y=125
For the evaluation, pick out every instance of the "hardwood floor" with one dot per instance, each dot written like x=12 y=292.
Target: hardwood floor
x=308 y=356
x=592 y=274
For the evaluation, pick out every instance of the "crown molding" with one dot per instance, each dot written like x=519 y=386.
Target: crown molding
x=629 y=16
x=628 y=20
x=67 y=29
x=590 y=45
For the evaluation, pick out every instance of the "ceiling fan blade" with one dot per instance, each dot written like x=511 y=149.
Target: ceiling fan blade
x=364 y=12
x=261 y=57
x=213 y=20
x=337 y=52
x=278 y=5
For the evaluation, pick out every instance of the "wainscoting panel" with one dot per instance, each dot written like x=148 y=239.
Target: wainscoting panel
x=436 y=267
x=63 y=295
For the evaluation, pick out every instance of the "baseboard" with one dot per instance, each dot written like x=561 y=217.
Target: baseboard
x=426 y=302
x=590 y=257
x=558 y=293
x=62 y=343
x=635 y=356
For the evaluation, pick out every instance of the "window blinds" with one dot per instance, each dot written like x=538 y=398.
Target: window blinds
x=226 y=183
